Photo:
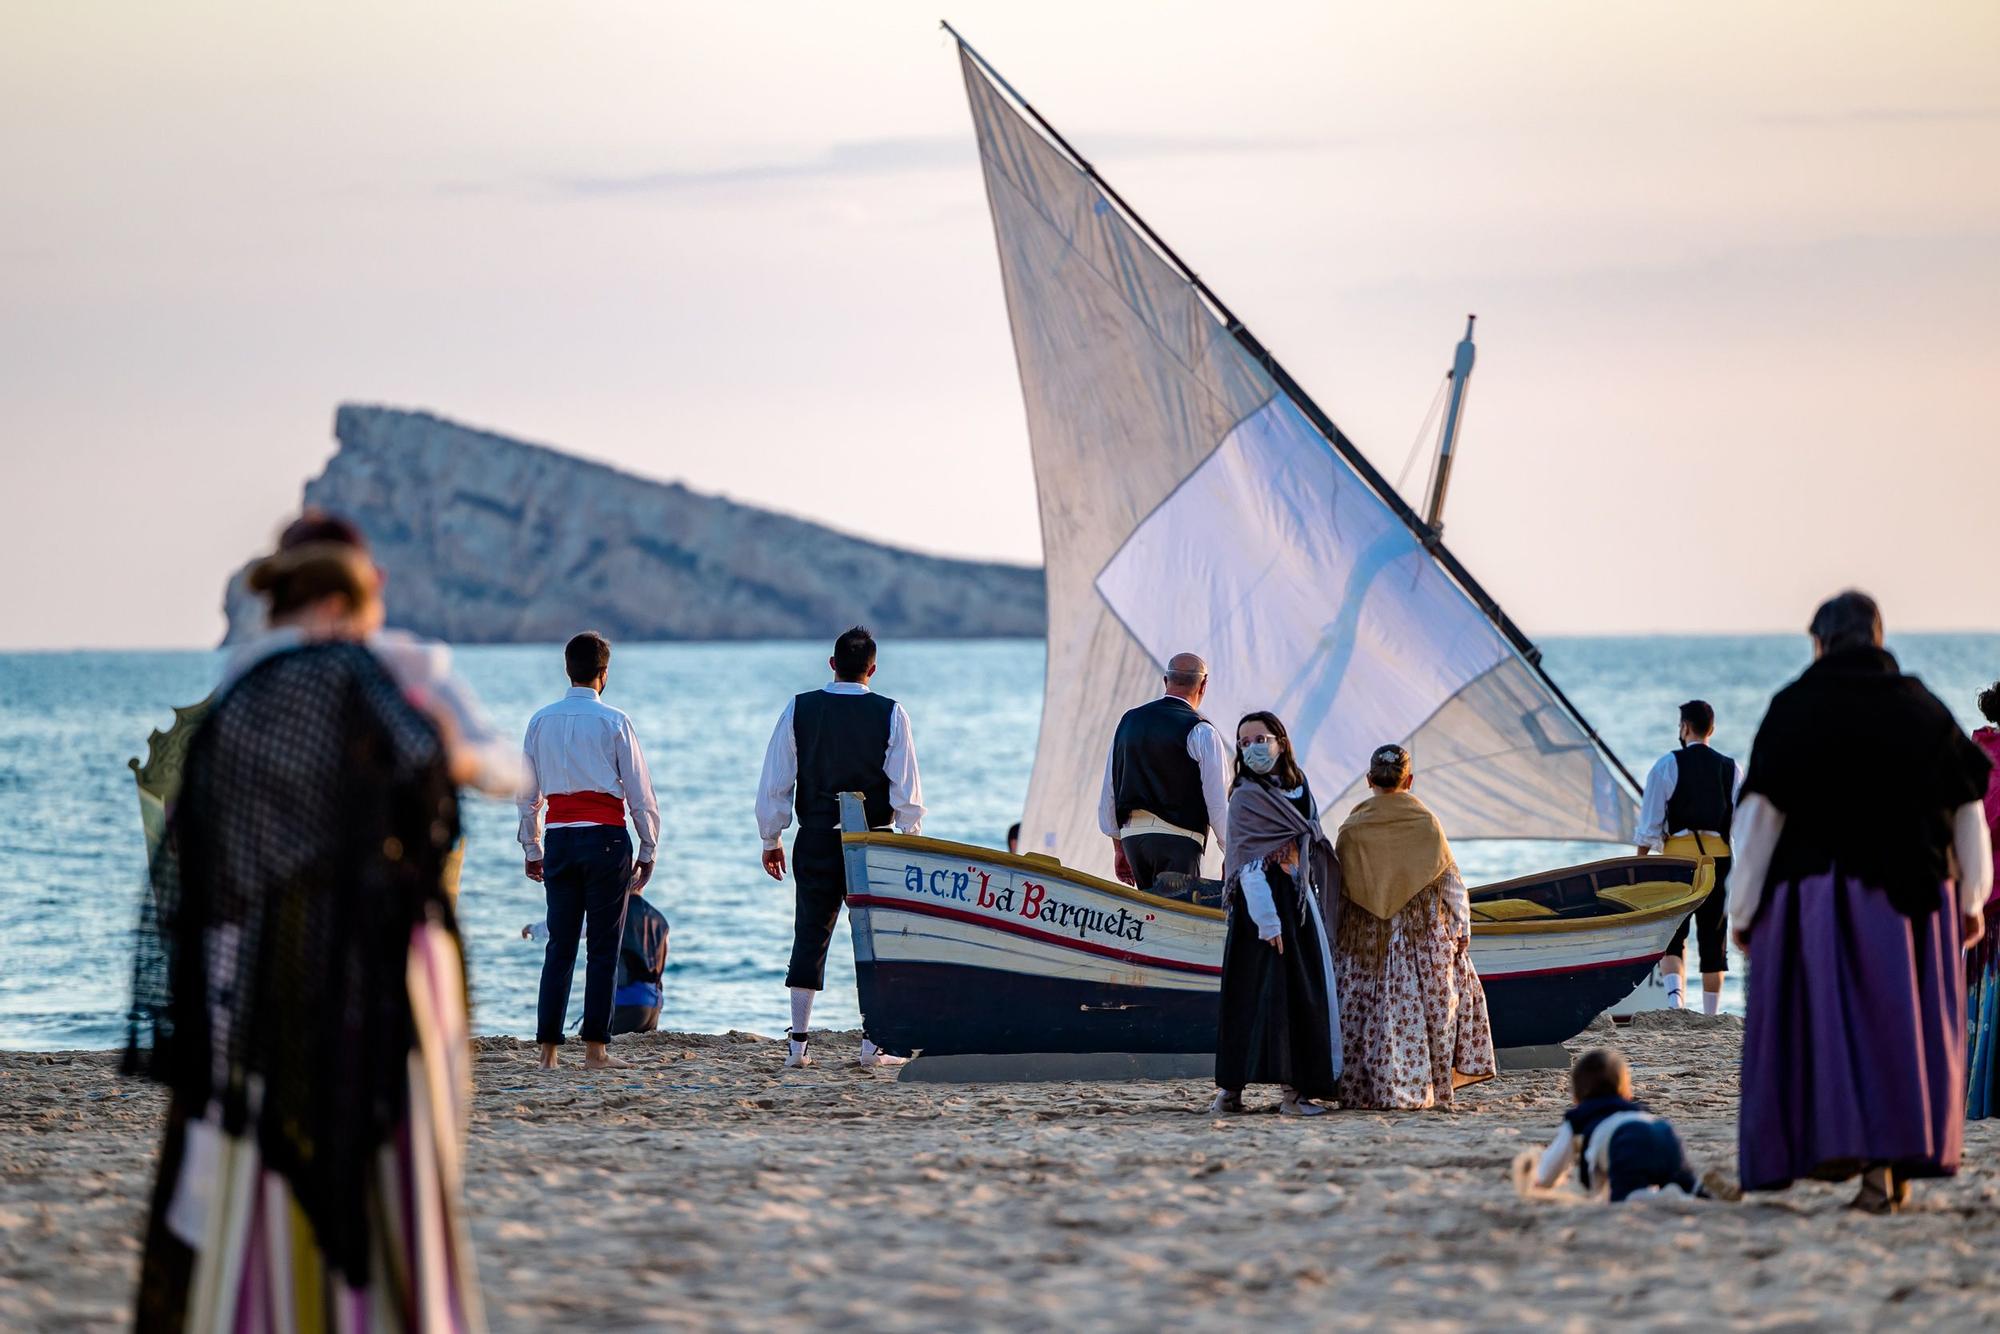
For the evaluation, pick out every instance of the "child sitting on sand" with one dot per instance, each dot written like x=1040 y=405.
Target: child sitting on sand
x=1617 y=1146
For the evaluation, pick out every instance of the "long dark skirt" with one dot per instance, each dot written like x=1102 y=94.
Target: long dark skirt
x=1279 y=1018
x=1854 y=1042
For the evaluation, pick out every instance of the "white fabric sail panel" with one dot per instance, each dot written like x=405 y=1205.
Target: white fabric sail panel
x=1311 y=599
x=1307 y=596
x=1138 y=402
x=1502 y=759
x=1128 y=384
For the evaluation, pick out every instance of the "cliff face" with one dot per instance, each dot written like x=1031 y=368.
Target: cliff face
x=489 y=540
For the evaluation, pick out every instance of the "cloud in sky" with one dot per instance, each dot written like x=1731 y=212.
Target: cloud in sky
x=1734 y=285
x=1916 y=116
x=868 y=158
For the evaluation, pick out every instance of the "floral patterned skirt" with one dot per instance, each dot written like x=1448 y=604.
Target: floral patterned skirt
x=1413 y=1019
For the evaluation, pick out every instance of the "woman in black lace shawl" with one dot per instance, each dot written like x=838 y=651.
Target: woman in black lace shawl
x=299 y=988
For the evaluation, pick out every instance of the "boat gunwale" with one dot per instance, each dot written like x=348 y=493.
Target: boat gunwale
x=1686 y=902
x=1583 y=867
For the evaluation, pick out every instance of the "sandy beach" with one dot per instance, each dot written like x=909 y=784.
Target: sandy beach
x=708 y=1187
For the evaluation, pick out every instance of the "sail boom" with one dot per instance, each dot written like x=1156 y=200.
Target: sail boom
x=1324 y=425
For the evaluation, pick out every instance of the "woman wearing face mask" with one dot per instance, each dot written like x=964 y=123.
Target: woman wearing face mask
x=1280 y=1018
x=1414 y=1026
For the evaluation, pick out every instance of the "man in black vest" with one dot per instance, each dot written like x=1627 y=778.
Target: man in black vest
x=1689 y=804
x=840 y=738
x=1166 y=781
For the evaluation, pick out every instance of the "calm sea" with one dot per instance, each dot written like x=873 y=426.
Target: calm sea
x=73 y=856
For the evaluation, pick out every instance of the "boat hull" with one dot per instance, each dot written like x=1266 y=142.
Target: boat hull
x=953 y=1009
x=960 y=950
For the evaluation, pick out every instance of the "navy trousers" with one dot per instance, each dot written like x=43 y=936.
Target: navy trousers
x=819 y=874
x=585 y=873
x=1647 y=1153
x=1150 y=854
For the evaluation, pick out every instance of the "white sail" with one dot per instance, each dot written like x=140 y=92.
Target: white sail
x=1189 y=503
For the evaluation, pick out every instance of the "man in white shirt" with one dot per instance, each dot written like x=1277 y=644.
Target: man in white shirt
x=583 y=761
x=1166 y=781
x=840 y=738
x=1687 y=810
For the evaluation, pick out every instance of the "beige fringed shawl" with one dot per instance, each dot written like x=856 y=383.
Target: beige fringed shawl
x=1391 y=849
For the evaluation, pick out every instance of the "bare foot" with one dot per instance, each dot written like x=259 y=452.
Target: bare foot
x=595 y=1057
x=547 y=1060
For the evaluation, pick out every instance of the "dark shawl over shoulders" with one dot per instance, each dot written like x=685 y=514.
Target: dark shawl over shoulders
x=308 y=841
x=1868 y=767
x=1264 y=823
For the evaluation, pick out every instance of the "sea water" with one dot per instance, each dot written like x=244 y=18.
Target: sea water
x=73 y=858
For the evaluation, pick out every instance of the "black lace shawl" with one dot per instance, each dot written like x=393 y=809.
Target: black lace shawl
x=1869 y=768
x=269 y=979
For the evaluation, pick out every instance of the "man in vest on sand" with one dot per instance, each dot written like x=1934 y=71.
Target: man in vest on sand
x=1166 y=781
x=840 y=738
x=1687 y=810
x=583 y=761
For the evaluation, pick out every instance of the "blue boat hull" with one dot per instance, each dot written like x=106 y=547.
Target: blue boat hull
x=952 y=1010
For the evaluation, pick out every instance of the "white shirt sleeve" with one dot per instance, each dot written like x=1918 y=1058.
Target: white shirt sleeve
x=530 y=799
x=1257 y=901
x=1736 y=783
x=1752 y=838
x=498 y=772
x=1660 y=785
x=637 y=781
x=1107 y=801
x=906 y=790
x=1973 y=843
x=1556 y=1159
x=781 y=775
x=1205 y=747
x=423 y=668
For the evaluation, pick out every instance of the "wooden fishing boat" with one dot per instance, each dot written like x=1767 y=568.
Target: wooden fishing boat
x=1195 y=498
x=961 y=949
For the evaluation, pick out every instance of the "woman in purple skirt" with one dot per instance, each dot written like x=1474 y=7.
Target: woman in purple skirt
x=1862 y=866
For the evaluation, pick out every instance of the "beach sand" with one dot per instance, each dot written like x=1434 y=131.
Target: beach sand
x=710 y=1188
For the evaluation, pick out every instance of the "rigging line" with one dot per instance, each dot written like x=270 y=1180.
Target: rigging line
x=1437 y=401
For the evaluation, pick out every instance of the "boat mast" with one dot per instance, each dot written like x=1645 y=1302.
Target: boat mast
x=1315 y=414
x=1461 y=372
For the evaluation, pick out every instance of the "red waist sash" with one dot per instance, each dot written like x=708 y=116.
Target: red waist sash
x=586 y=808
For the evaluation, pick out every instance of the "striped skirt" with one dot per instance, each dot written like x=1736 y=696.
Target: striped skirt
x=230 y=1250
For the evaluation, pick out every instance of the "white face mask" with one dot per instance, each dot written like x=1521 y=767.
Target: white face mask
x=1260 y=757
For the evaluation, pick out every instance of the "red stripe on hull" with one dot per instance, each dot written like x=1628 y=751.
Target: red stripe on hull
x=1031 y=933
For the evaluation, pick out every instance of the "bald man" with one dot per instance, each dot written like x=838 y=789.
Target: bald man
x=1166 y=781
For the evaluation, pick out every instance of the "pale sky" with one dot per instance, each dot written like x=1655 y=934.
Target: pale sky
x=1737 y=268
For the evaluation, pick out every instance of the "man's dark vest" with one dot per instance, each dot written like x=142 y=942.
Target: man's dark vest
x=843 y=741
x=1704 y=792
x=1151 y=769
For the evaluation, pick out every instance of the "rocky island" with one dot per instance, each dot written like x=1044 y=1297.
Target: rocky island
x=491 y=540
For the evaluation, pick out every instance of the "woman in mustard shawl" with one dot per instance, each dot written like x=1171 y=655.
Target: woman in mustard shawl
x=1412 y=1013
